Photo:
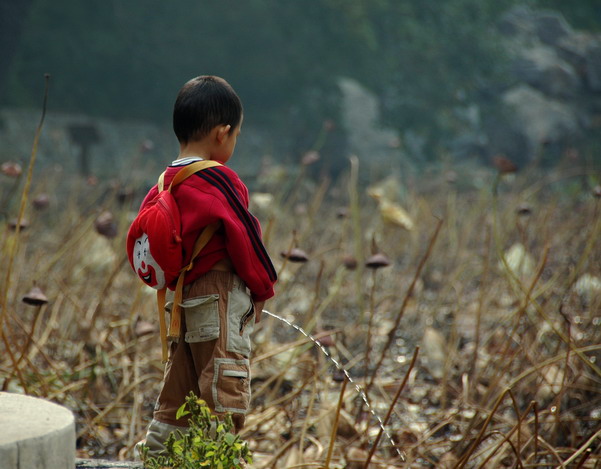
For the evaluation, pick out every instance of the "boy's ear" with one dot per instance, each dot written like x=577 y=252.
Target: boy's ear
x=222 y=132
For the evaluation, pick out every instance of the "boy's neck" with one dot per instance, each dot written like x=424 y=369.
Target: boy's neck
x=197 y=148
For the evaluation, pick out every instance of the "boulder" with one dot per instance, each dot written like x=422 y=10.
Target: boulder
x=593 y=66
x=542 y=68
x=542 y=120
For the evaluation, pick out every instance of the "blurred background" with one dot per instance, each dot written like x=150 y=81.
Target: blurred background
x=396 y=82
x=371 y=127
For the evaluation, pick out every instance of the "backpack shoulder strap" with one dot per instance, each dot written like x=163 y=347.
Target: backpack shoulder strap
x=190 y=169
x=186 y=172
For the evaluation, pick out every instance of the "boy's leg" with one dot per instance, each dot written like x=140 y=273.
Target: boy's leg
x=224 y=374
x=179 y=379
x=211 y=357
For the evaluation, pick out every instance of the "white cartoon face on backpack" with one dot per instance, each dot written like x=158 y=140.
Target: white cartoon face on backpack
x=146 y=267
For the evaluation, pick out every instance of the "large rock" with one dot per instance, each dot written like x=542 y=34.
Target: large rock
x=35 y=434
x=542 y=68
x=368 y=139
x=593 y=66
x=546 y=26
x=541 y=119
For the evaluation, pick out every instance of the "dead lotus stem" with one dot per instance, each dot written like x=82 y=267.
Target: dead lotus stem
x=481 y=300
x=553 y=452
x=581 y=450
x=34 y=151
x=335 y=426
x=33 y=343
x=357 y=234
x=14 y=247
x=93 y=314
x=393 y=329
x=123 y=393
x=507 y=436
x=309 y=412
x=391 y=407
x=292 y=345
x=567 y=341
x=372 y=294
x=465 y=458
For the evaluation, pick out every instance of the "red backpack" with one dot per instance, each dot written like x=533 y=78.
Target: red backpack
x=154 y=248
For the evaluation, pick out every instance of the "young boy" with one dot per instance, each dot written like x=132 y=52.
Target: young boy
x=232 y=276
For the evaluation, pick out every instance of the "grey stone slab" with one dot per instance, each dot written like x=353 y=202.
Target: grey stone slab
x=104 y=464
x=35 y=434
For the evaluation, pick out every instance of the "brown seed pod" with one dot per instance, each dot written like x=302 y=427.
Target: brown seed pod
x=41 y=201
x=35 y=297
x=125 y=194
x=376 y=261
x=310 y=157
x=12 y=224
x=524 y=209
x=295 y=255
x=503 y=164
x=350 y=262
x=105 y=224
x=342 y=212
x=11 y=169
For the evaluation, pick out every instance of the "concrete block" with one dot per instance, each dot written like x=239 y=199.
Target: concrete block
x=35 y=434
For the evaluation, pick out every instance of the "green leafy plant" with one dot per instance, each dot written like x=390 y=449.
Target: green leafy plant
x=209 y=442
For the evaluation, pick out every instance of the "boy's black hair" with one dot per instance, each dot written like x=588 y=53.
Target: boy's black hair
x=202 y=104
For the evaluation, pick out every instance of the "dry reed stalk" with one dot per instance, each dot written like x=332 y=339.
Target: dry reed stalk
x=278 y=379
x=587 y=444
x=310 y=317
x=391 y=407
x=335 y=425
x=357 y=235
x=372 y=301
x=123 y=393
x=29 y=339
x=309 y=412
x=481 y=300
x=286 y=347
x=465 y=457
x=68 y=244
x=506 y=438
x=24 y=197
x=393 y=329
x=93 y=312
x=286 y=446
x=553 y=452
x=15 y=245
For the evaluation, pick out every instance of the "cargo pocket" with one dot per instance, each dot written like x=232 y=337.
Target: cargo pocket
x=202 y=318
x=240 y=323
x=231 y=385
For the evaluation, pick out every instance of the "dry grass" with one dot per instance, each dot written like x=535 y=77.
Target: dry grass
x=508 y=370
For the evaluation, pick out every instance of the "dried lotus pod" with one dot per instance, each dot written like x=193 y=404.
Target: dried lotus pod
x=41 y=201
x=13 y=222
x=35 y=297
x=310 y=157
x=350 y=262
x=524 y=209
x=377 y=260
x=105 y=224
x=11 y=169
x=295 y=255
x=504 y=165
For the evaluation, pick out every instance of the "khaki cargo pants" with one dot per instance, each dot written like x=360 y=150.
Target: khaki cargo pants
x=211 y=357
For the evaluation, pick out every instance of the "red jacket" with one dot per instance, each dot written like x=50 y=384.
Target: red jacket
x=214 y=194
